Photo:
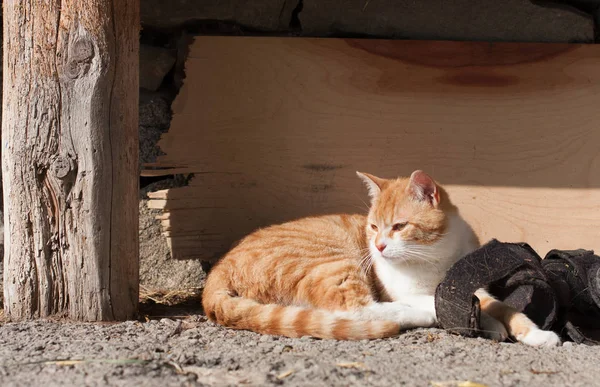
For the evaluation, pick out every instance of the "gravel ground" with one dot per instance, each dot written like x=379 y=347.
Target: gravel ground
x=192 y=351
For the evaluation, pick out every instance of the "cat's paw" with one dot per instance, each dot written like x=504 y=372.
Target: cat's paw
x=540 y=338
x=419 y=318
x=491 y=328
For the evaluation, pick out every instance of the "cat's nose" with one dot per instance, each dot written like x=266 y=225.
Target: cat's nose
x=381 y=247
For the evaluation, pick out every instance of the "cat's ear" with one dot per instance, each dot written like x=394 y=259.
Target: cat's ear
x=374 y=184
x=423 y=188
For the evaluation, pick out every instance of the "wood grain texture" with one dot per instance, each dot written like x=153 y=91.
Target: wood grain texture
x=274 y=128
x=70 y=159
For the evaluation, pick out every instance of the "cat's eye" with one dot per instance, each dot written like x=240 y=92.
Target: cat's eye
x=399 y=226
x=374 y=227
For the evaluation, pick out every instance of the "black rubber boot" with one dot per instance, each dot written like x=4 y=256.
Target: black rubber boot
x=512 y=272
x=575 y=276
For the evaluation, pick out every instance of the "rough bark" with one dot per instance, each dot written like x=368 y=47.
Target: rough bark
x=70 y=158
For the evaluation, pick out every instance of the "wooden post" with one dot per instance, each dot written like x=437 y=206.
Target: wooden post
x=70 y=158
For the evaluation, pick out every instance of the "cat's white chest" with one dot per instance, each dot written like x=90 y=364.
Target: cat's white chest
x=407 y=280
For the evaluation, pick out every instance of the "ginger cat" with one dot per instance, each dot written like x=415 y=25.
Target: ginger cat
x=355 y=277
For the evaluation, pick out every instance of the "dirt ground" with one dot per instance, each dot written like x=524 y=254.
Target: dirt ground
x=186 y=350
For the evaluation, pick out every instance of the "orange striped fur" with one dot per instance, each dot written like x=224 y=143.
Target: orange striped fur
x=289 y=279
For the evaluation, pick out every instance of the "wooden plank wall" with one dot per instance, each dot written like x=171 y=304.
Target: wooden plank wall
x=275 y=128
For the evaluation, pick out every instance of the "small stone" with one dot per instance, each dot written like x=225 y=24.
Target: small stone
x=266 y=347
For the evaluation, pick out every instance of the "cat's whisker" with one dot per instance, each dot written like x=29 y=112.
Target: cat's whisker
x=358 y=207
x=367 y=207
x=411 y=251
x=418 y=259
x=365 y=261
x=365 y=257
x=371 y=262
x=420 y=254
x=416 y=255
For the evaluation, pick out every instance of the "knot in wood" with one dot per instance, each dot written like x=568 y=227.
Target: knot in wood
x=80 y=55
x=62 y=166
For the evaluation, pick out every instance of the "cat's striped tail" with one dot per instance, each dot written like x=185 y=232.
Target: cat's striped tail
x=224 y=307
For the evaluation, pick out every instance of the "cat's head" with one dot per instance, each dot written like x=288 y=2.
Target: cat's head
x=407 y=216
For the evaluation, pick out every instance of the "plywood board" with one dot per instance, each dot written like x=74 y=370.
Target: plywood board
x=274 y=129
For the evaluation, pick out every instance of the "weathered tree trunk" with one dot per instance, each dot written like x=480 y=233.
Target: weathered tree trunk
x=70 y=158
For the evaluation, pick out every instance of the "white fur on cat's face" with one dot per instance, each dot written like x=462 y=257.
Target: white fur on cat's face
x=400 y=249
x=419 y=236
x=397 y=249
